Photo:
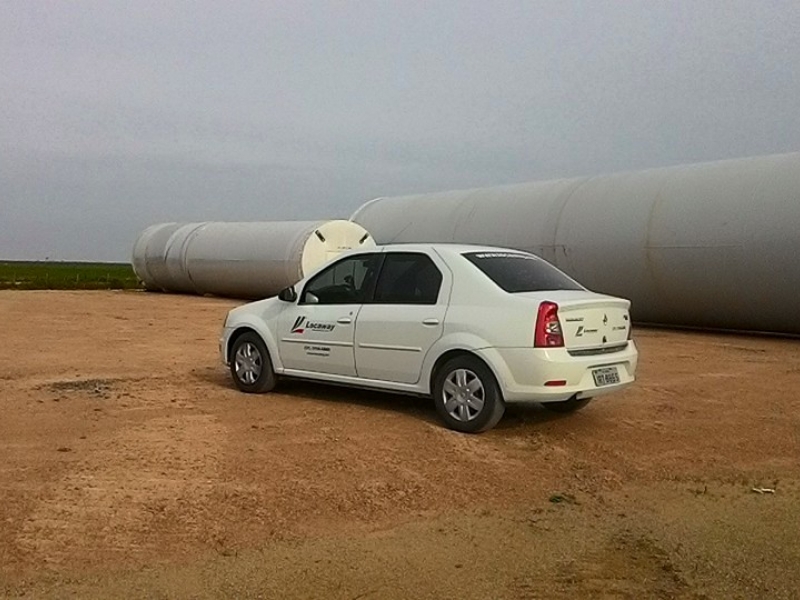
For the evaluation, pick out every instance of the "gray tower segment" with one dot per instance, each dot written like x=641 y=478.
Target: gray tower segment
x=705 y=245
x=242 y=260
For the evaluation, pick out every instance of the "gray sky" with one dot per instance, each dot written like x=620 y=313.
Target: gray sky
x=116 y=114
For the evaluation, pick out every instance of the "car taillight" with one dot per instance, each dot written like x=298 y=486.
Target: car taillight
x=548 y=330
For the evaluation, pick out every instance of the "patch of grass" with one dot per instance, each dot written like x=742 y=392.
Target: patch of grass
x=48 y=275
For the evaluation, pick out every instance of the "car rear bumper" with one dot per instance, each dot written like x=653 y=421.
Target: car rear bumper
x=553 y=375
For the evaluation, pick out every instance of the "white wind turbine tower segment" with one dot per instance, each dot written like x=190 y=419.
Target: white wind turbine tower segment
x=241 y=260
x=712 y=245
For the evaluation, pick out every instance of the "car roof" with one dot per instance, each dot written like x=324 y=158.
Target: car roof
x=447 y=248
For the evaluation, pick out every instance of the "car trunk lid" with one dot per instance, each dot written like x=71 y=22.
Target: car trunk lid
x=590 y=321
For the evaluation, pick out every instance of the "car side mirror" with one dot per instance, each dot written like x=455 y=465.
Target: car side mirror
x=288 y=294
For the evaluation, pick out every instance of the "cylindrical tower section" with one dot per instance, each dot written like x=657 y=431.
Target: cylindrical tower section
x=150 y=255
x=705 y=245
x=241 y=260
x=175 y=257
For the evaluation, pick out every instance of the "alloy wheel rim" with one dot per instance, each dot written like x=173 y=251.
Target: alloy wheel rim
x=463 y=394
x=248 y=363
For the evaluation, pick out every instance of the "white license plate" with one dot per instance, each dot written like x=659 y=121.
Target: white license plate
x=605 y=376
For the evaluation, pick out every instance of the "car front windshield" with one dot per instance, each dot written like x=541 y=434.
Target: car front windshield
x=516 y=272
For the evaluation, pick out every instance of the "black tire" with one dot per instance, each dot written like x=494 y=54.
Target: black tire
x=567 y=406
x=250 y=364
x=466 y=395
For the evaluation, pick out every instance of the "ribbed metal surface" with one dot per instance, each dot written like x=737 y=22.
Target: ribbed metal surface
x=706 y=245
x=241 y=260
x=150 y=255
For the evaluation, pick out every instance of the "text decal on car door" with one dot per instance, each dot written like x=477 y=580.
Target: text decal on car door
x=323 y=351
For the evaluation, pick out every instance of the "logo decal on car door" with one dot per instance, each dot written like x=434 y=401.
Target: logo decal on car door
x=298 y=325
x=301 y=325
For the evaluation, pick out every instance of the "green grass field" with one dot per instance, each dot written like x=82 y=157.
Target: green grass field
x=47 y=275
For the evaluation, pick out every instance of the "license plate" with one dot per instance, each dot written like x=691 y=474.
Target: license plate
x=605 y=376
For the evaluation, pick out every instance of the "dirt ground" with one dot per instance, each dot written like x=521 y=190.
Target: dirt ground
x=130 y=467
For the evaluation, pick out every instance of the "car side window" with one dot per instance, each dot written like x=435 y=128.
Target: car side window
x=408 y=278
x=344 y=282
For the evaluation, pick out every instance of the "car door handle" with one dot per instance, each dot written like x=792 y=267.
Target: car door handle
x=430 y=322
x=344 y=320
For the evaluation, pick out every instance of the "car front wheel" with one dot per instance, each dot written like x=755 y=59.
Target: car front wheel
x=467 y=396
x=251 y=367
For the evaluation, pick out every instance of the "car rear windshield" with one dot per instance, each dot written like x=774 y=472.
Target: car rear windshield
x=515 y=272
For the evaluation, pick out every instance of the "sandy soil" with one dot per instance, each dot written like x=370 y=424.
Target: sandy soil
x=130 y=467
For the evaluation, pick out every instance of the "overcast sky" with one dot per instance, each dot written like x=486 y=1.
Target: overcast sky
x=116 y=114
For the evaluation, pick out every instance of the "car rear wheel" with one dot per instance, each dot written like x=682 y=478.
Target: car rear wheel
x=567 y=406
x=467 y=396
x=251 y=367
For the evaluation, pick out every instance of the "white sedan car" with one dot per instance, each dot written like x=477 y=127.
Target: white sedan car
x=474 y=327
